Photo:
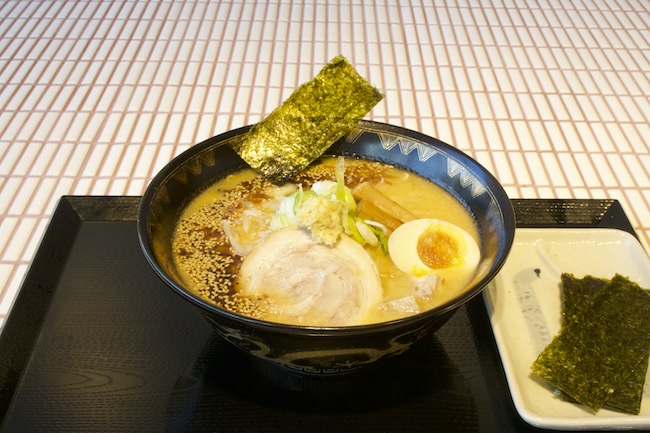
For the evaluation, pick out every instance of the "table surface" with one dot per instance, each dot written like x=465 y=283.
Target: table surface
x=97 y=96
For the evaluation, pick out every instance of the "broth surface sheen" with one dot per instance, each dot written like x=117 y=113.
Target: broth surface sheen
x=224 y=223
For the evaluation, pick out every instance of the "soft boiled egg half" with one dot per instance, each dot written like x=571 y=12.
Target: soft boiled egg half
x=427 y=246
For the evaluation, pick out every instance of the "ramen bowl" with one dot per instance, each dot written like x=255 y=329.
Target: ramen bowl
x=329 y=350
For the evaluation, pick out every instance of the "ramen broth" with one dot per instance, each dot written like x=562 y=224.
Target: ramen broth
x=244 y=202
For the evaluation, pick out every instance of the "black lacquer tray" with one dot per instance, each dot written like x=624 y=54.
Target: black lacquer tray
x=96 y=342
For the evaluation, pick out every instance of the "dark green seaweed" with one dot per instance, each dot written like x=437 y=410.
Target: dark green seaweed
x=577 y=294
x=627 y=398
x=598 y=351
x=316 y=115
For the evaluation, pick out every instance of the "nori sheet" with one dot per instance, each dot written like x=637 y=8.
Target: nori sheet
x=597 y=352
x=316 y=115
x=577 y=294
x=627 y=398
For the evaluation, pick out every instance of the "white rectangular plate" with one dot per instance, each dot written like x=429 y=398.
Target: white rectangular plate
x=524 y=306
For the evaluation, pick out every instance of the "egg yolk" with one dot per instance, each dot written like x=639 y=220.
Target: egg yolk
x=438 y=249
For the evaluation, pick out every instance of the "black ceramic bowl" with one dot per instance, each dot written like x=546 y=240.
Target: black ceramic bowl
x=329 y=350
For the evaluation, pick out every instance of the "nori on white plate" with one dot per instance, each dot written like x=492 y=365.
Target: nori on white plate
x=577 y=294
x=598 y=351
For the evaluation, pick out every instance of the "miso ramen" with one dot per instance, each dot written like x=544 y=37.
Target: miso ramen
x=346 y=242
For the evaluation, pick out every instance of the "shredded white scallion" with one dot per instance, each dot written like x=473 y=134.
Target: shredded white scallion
x=367 y=233
x=377 y=225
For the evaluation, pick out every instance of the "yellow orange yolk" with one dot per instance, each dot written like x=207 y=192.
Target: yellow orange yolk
x=438 y=249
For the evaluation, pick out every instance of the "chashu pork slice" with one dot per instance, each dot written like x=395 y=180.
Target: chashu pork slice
x=312 y=284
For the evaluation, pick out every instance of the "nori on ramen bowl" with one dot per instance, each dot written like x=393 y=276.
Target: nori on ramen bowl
x=335 y=349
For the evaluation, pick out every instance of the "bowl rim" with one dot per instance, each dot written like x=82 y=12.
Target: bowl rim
x=432 y=314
